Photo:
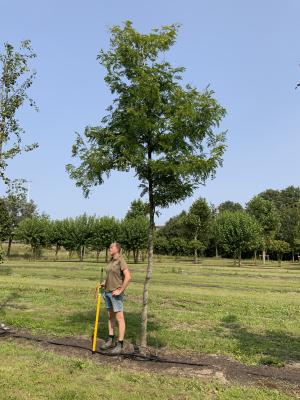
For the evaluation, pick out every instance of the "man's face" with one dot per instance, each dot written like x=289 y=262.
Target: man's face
x=113 y=250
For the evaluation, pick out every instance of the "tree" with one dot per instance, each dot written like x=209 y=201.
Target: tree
x=285 y=198
x=279 y=247
x=133 y=234
x=230 y=206
x=156 y=127
x=198 y=220
x=137 y=208
x=267 y=216
x=5 y=223
x=108 y=231
x=56 y=235
x=33 y=231
x=78 y=232
x=175 y=227
x=15 y=79
x=290 y=227
x=18 y=207
x=238 y=232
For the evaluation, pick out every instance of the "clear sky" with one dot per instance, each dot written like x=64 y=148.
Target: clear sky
x=247 y=51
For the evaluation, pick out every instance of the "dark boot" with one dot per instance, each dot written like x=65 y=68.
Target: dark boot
x=118 y=349
x=109 y=344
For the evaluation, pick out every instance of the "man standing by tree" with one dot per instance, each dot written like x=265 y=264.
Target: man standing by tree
x=157 y=127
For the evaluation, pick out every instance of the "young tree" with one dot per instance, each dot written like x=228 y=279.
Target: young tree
x=238 y=232
x=5 y=223
x=279 y=247
x=155 y=126
x=198 y=220
x=56 y=235
x=15 y=80
x=267 y=216
x=33 y=231
x=290 y=226
x=18 y=207
x=134 y=234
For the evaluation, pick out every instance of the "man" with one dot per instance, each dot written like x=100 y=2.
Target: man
x=117 y=280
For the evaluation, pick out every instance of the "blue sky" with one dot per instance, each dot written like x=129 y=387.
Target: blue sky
x=247 y=51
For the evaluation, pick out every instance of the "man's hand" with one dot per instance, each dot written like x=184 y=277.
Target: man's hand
x=117 y=292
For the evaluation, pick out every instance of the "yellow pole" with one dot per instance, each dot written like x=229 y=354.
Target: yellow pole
x=96 y=320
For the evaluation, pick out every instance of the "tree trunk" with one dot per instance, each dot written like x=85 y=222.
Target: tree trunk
x=9 y=246
x=56 y=251
x=81 y=253
x=240 y=257
x=195 y=256
x=293 y=256
x=255 y=257
x=217 y=254
x=136 y=256
x=97 y=255
x=264 y=255
x=144 y=316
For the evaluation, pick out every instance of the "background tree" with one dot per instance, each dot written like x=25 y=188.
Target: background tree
x=137 y=208
x=56 y=235
x=238 y=232
x=290 y=227
x=5 y=223
x=198 y=221
x=108 y=231
x=279 y=247
x=16 y=78
x=18 y=207
x=33 y=231
x=229 y=206
x=134 y=234
x=175 y=227
x=267 y=216
x=155 y=126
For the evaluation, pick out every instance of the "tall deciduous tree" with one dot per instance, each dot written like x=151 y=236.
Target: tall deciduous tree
x=16 y=78
x=155 y=126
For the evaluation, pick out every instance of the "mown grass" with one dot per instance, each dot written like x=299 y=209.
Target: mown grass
x=28 y=373
x=249 y=312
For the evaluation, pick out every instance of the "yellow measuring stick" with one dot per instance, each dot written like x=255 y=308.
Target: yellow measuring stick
x=96 y=320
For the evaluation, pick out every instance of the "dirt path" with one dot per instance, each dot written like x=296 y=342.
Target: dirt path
x=224 y=369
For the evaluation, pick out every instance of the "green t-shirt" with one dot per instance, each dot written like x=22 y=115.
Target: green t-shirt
x=114 y=274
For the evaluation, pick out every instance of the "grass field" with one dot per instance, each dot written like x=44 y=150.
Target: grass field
x=250 y=313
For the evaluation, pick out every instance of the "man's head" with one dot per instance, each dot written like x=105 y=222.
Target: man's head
x=114 y=249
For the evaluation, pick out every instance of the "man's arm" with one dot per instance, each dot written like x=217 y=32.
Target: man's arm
x=127 y=278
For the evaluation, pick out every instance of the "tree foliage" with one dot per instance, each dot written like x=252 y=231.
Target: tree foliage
x=16 y=78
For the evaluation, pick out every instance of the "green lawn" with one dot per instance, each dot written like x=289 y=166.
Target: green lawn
x=250 y=313
x=27 y=373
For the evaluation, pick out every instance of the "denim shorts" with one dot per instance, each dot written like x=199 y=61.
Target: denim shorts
x=114 y=302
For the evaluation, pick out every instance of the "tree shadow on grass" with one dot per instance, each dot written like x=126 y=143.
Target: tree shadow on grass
x=133 y=322
x=272 y=344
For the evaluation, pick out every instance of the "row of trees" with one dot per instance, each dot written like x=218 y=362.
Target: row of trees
x=270 y=222
x=20 y=221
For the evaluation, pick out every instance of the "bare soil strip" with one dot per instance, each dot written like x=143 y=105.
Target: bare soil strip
x=224 y=369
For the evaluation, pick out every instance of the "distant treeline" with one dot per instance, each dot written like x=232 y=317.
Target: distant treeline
x=268 y=225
